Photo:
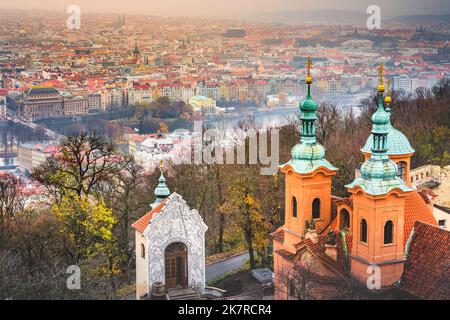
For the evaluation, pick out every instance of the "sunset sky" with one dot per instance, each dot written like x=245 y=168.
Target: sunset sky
x=230 y=8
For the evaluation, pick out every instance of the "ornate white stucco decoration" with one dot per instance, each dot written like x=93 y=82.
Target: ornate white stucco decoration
x=176 y=223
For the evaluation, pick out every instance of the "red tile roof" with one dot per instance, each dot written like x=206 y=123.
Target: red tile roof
x=416 y=210
x=427 y=267
x=318 y=250
x=278 y=235
x=427 y=195
x=285 y=254
x=143 y=222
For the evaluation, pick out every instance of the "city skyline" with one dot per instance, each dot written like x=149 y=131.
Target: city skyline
x=204 y=150
x=233 y=8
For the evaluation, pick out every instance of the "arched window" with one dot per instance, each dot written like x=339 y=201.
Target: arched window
x=401 y=169
x=291 y=288
x=363 y=231
x=142 y=250
x=294 y=207
x=344 y=219
x=388 y=232
x=316 y=209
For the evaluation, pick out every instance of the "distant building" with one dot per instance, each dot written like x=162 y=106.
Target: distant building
x=41 y=102
x=442 y=215
x=358 y=44
x=426 y=82
x=94 y=101
x=73 y=106
x=203 y=104
x=402 y=82
x=235 y=33
x=435 y=178
x=140 y=95
x=30 y=156
x=3 y=113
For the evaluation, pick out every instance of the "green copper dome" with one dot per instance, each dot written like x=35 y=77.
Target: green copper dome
x=307 y=151
x=308 y=104
x=397 y=143
x=379 y=173
x=308 y=155
x=382 y=168
x=380 y=119
x=161 y=190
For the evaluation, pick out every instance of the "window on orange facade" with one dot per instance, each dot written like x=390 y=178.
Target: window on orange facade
x=316 y=209
x=142 y=250
x=344 y=219
x=388 y=232
x=363 y=231
x=294 y=207
x=401 y=169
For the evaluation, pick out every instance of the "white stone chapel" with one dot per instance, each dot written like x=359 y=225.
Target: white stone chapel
x=170 y=244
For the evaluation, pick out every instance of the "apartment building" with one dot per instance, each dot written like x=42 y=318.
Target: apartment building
x=30 y=155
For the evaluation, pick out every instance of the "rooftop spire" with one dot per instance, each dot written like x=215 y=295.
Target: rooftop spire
x=397 y=143
x=308 y=79
x=381 y=84
x=161 y=190
x=388 y=98
x=308 y=154
x=308 y=108
x=379 y=173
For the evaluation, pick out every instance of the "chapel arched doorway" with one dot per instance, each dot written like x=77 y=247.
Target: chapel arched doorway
x=176 y=265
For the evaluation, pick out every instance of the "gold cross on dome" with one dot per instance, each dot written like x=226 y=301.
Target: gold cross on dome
x=381 y=73
x=389 y=87
x=308 y=66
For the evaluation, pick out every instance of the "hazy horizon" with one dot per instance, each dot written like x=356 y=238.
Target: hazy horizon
x=232 y=8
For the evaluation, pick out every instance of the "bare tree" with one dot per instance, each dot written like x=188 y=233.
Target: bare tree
x=12 y=200
x=83 y=162
x=328 y=119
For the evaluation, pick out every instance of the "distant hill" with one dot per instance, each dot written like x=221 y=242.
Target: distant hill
x=316 y=16
x=420 y=18
x=349 y=17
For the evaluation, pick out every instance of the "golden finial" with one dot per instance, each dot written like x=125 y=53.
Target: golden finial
x=388 y=98
x=161 y=164
x=308 y=71
x=381 y=85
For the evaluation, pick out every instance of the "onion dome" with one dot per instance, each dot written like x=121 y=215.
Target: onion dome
x=161 y=190
x=308 y=154
x=379 y=173
x=398 y=143
x=380 y=119
x=308 y=104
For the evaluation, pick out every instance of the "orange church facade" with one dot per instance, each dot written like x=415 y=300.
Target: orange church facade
x=363 y=237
